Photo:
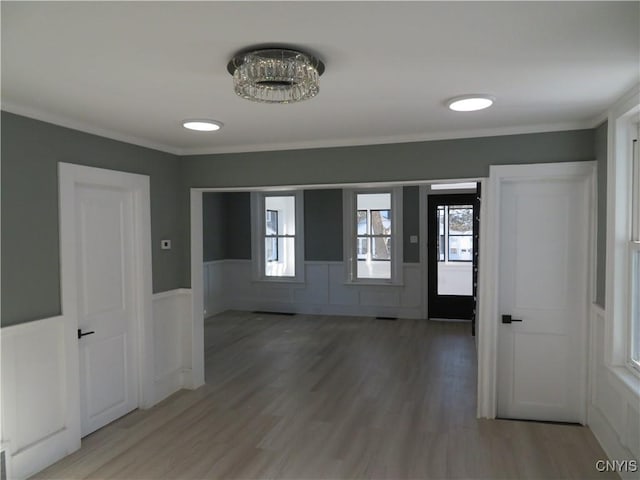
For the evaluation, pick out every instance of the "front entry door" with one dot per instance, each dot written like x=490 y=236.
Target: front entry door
x=542 y=294
x=451 y=255
x=106 y=304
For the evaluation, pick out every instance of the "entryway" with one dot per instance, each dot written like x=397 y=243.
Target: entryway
x=453 y=225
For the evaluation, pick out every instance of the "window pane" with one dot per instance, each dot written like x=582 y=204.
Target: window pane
x=381 y=222
x=363 y=247
x=455 y=278
x=381 y=248
x=284 y=265
x=271 y=222
x=373 y=218
x=271 y=249
x=373 y=269
x=460 y=248
x=373 y=201
x=461 y=220
x=285 y=206
x=361 y=221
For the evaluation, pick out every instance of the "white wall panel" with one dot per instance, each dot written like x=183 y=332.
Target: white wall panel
x=411 y=295
x=614 y=417
x=323 y=292
x=316 y=286
x=339 y=292
x=40 y=417
x=379 y=296
x=172 y=341
x=215 y=279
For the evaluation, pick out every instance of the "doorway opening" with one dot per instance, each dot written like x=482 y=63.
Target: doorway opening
x=452 y=252
x=222 y=269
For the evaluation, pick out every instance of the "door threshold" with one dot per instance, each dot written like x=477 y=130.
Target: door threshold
x=550 y=422
x=436 y=319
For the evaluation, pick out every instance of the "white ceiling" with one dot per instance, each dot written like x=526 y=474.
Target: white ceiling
x=134 y=71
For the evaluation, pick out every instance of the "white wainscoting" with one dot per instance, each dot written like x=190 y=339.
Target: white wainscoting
x=213 y=286
x=228 y=284
x=40 y=409
x=40 y=396
x=614 y=406
x=172 y=341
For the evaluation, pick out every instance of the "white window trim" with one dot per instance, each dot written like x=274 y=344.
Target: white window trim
x=349 y=236
x=617 y=347
x=257 y=240
x=633 y=245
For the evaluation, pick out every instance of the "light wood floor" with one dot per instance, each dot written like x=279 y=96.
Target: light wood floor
x=331 y=397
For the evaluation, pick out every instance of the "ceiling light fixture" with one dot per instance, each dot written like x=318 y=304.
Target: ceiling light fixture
x=202 y=125
x=470 y=103
x=275 y=75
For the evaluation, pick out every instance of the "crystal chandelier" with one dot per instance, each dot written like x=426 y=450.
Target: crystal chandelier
x=275 y=75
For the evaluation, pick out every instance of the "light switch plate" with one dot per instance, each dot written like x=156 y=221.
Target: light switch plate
x=413 y=239
x=165 y=244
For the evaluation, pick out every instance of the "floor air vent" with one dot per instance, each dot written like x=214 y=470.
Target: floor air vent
x=387 y=318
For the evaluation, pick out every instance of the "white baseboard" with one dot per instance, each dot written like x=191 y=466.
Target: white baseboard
x=38 y=456
x=186 y=376
x=168 y=384
x=310 y=309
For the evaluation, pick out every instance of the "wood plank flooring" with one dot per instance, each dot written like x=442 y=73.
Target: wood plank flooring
x=330 y=397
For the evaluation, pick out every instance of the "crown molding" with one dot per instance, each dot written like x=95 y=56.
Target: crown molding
x=62 y=121
x=304 y=145
x=414 y=138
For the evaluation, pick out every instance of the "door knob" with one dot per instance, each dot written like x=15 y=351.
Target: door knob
x=508 y=319
x=81 y=334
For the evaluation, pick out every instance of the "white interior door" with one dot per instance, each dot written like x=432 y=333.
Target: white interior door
x=106 y=304
x=543 y=271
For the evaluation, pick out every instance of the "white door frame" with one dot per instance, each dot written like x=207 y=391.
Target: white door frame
x=197 y=289
x=71 y=175
x=424 y=232
x=488 y=273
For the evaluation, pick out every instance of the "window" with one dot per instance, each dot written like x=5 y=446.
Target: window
x=455 y=233
x=371 y=226
x=622 y=296
x=276 y=239
x=634 y=251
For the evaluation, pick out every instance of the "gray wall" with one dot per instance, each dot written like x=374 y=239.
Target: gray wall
x=32 y=149
x=226 y=226
x=442 y=159
x=238 y=245
x=410 y=223
x=30 y=152
x=214 y=228
x=323 y=225
x=601 y=156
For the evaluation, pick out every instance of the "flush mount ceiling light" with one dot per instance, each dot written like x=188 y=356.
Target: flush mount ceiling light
x=470 y=103
x=275 y=75
x=202 y=125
